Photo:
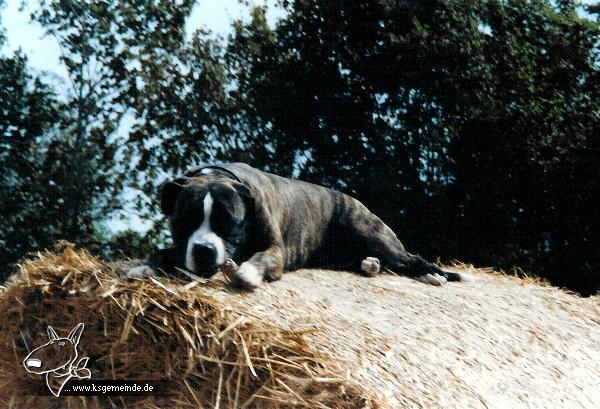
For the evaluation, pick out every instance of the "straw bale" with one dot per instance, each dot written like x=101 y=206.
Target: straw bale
x=496 y=341
x=210 y=354
x=313 y=339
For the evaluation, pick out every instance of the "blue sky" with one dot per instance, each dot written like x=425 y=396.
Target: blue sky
x=43 y=52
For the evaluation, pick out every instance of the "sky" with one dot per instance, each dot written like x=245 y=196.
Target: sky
x=43 y=52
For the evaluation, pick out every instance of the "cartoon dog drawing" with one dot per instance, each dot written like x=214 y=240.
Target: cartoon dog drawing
x=57 y=359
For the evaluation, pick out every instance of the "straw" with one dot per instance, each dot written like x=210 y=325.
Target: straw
x=208 y=353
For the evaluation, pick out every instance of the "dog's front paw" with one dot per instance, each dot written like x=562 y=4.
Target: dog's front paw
x=433 y=279
x=370 y=266
x=141 y=272
x=247 y=276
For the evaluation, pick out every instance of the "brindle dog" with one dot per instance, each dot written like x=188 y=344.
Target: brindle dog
x=232 y=214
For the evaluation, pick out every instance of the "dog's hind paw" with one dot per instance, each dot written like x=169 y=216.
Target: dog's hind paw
x=433 y=279
x=370 y=266
x=141 y=272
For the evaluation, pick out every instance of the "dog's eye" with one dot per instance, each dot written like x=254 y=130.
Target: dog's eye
x=221 y=219
x=62 y=344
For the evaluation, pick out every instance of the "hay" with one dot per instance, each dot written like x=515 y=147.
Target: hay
x=495 y=342
x=211 y=354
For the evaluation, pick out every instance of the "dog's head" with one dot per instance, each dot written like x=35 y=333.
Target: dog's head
x=55 y=355
x=208 y=220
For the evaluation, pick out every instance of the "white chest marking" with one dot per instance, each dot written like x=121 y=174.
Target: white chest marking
x=204 y=235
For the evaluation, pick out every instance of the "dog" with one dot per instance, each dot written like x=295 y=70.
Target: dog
x=222 y=216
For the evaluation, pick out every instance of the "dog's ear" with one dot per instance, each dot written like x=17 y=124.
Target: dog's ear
x=246 y=194
x=169 y=192
x=52 y=335
x=75 y=334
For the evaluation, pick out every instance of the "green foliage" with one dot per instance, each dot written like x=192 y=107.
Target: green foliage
x=66 y=166
x=127 y=244
x=28 y=113
x=122 y=58
x=107 y=48
x=525 y=182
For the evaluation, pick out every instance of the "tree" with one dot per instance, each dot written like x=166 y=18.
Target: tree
x=64 y=153
x=29 y=111
x=107 y=48
x=111 y=50
x=524 y=180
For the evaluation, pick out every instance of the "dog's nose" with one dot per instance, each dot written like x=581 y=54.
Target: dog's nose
x=204 y=253
x=33 y=362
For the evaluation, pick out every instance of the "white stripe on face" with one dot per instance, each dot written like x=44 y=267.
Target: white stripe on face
x=204 y=235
